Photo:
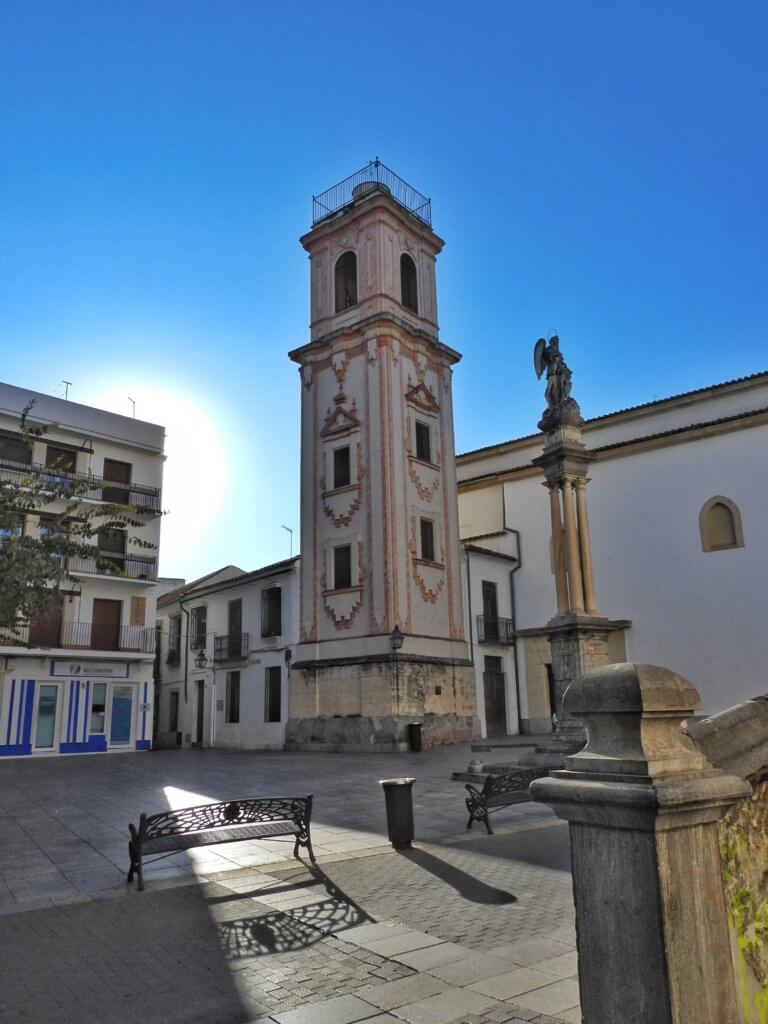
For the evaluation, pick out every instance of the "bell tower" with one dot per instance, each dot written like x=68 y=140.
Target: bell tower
x=379 y=519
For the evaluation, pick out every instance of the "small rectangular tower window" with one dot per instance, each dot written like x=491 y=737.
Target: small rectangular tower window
x=272 y=686
x=423 y=442
x=427 y=540
x=342 y=567
x=233 y=697
x=341 y=467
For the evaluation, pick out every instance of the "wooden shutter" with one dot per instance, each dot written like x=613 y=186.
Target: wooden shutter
x=138 y=611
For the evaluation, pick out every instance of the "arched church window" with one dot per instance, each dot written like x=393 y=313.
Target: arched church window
x=408 y=287
x=346 y=281
x=720 y=525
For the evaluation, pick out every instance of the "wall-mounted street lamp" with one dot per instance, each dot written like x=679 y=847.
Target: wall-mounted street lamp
x=396 y=639
x=201 y=659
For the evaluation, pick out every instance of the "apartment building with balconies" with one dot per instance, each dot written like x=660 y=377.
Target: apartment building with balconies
x=224 y=653
x=80 y=678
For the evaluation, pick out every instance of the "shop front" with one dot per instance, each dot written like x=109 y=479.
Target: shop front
x=63 y=706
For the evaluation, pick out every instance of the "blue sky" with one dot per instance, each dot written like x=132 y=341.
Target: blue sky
x=594 y=168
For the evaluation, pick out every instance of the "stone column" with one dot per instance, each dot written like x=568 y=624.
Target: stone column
x=585 y=544
x=572 y=555
x=643 y=806
x=561 y=584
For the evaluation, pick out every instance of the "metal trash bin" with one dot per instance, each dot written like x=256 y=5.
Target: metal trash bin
x=414 y=736
x=399 y=803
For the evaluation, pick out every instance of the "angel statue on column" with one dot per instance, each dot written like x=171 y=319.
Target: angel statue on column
x=561 y=408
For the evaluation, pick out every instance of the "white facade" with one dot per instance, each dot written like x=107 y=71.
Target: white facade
x=655 y=469
x=246 y=626
x=82 y=681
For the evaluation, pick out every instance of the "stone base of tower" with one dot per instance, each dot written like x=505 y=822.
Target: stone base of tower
x=367 y=705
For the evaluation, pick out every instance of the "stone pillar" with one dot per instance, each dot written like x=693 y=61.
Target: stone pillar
x=585 y=543
x=572 y=555
x=643 y=806
x=561 y=584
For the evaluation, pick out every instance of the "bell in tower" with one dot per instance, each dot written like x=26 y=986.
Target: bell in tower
x=382 y=642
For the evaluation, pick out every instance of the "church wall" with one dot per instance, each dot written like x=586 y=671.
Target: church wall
x=700 y=613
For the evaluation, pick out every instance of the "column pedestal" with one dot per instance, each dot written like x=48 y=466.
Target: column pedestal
x=578 y=643
x=642 y=806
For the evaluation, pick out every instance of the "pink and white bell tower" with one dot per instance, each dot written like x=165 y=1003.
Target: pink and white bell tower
x=379 y=517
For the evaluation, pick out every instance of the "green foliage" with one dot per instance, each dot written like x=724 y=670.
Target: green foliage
x=34 y=570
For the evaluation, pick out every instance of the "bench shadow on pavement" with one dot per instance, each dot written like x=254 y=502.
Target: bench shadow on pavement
x=282 y=930
x=469 y=887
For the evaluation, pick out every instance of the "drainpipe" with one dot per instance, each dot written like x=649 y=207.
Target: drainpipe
x=514 y=622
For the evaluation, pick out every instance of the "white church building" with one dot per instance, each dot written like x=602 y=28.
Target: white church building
x=678 y=504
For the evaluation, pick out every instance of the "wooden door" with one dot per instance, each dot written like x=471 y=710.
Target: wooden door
x=105 y=625
x=45 y=629
x=494 y=687
x=118 y=472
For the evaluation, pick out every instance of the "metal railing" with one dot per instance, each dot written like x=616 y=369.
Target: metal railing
x=230 y=647
x=91 y=636
x=353 y=187
x=113 y=563
x=495 y=630
x=140 y=496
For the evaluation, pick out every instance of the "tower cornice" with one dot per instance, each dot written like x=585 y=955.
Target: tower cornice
x=385 y=320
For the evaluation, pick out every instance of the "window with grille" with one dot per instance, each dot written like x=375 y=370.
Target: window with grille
x=271 y=611
x=198 y=628
x=233 y=697
x=272 y=694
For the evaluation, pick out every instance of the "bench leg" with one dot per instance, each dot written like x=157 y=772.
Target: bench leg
x=488 y=824
x=140 y=873
x=129 y=879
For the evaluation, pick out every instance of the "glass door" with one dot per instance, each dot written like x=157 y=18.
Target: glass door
x=47 y=704
x=122 y=716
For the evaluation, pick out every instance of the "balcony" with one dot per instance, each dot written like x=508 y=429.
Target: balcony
x=81 y=636
x=230 y=647
x=140 y=496
x=113 y=563
x=495 y=630
x=362 y=181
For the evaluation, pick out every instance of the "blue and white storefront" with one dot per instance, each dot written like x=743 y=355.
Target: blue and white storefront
x=69 y=706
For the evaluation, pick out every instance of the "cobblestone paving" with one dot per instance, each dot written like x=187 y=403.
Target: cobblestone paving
x=480 y=894
x=64 y=826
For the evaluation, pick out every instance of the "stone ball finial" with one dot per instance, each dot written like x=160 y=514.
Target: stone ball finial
x=633 y=715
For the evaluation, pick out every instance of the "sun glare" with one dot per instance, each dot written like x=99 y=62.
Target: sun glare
x=196 y=472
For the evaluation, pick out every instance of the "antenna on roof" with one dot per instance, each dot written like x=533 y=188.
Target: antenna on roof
x=289 y=530
x=134 y=406
x=67 y=385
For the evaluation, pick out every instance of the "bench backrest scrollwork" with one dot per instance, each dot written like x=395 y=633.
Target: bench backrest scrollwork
x=248 y=811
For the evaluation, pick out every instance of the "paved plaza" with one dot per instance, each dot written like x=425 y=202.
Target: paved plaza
x=464 y=927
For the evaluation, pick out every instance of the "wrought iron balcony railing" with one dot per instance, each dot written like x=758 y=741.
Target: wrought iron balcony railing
x=112 y=563
x=230 y=647
x=140 y=496
x=495 y=630
x=356 y=185
x=88 y=636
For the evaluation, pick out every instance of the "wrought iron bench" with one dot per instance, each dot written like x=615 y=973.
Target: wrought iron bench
x=232 y=821
x=500 y=791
